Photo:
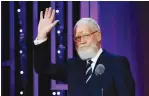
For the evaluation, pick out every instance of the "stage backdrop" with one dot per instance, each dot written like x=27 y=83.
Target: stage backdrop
x=124 y=27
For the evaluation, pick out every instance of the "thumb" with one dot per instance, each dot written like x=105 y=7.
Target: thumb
x=55 y=22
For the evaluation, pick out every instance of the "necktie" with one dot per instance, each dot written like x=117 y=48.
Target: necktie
x=88 y=73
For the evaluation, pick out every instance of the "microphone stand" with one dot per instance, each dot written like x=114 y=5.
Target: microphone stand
x=101 y=84
x=99 y=71
x=101 y=91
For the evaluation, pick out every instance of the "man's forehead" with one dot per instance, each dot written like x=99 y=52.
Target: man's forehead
x=81 y=32
x=82 y=29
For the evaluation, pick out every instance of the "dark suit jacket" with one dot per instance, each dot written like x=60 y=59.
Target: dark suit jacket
x=117 y=79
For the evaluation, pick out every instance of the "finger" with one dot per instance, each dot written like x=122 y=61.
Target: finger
x=45 y=14
x=54 y=23
x=41 y=14
x=52 y=15
x=49 y=12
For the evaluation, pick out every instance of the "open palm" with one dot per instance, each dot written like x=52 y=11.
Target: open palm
x=46 y=22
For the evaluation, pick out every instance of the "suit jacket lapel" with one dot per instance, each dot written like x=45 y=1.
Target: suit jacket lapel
x=100 y=59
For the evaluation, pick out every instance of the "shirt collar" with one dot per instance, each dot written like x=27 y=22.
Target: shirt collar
x=97 y=55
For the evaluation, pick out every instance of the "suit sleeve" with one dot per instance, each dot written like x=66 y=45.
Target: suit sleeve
x=124 y=81
x=43 y=66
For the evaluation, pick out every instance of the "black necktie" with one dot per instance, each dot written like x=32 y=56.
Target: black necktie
x=88 y=72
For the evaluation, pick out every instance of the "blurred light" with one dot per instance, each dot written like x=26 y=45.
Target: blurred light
x=58 y=93
x=20 y=22
x=21 y=30
x=54 y=93
x=21 y=72
x=57 y=11
x=20 y=51
x=61 y=46
x=58 y=51
x=58 y=31
x=21 y=92
x=19 y=10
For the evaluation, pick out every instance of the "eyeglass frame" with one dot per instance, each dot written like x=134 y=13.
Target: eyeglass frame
x=83 y=36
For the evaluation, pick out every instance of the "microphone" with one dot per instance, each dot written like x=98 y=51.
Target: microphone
x=99 y=71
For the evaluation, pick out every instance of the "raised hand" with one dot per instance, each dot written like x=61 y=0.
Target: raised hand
x=46 y=23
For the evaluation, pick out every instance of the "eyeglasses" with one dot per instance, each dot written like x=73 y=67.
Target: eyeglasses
x=85 y=37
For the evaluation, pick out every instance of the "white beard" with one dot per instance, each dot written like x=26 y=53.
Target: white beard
x=88 y=52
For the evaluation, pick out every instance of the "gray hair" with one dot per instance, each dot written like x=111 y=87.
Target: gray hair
x=90 y=21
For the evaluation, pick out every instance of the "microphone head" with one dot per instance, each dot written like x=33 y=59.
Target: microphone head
x=99 y=69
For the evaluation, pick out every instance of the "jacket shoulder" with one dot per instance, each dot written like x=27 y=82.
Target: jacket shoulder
x=118 y=60
x=114 y=56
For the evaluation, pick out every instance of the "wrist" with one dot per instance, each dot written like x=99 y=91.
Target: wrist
x=41 y=37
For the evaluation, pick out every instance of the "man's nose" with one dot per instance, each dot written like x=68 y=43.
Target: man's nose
x=82 y=41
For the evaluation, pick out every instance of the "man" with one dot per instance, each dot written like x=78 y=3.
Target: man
x=95 y=72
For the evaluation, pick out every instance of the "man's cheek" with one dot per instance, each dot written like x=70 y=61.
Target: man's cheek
x=76 y=45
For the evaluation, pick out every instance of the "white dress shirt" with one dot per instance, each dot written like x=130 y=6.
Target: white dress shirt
x=95 y=58
x=39 y=41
